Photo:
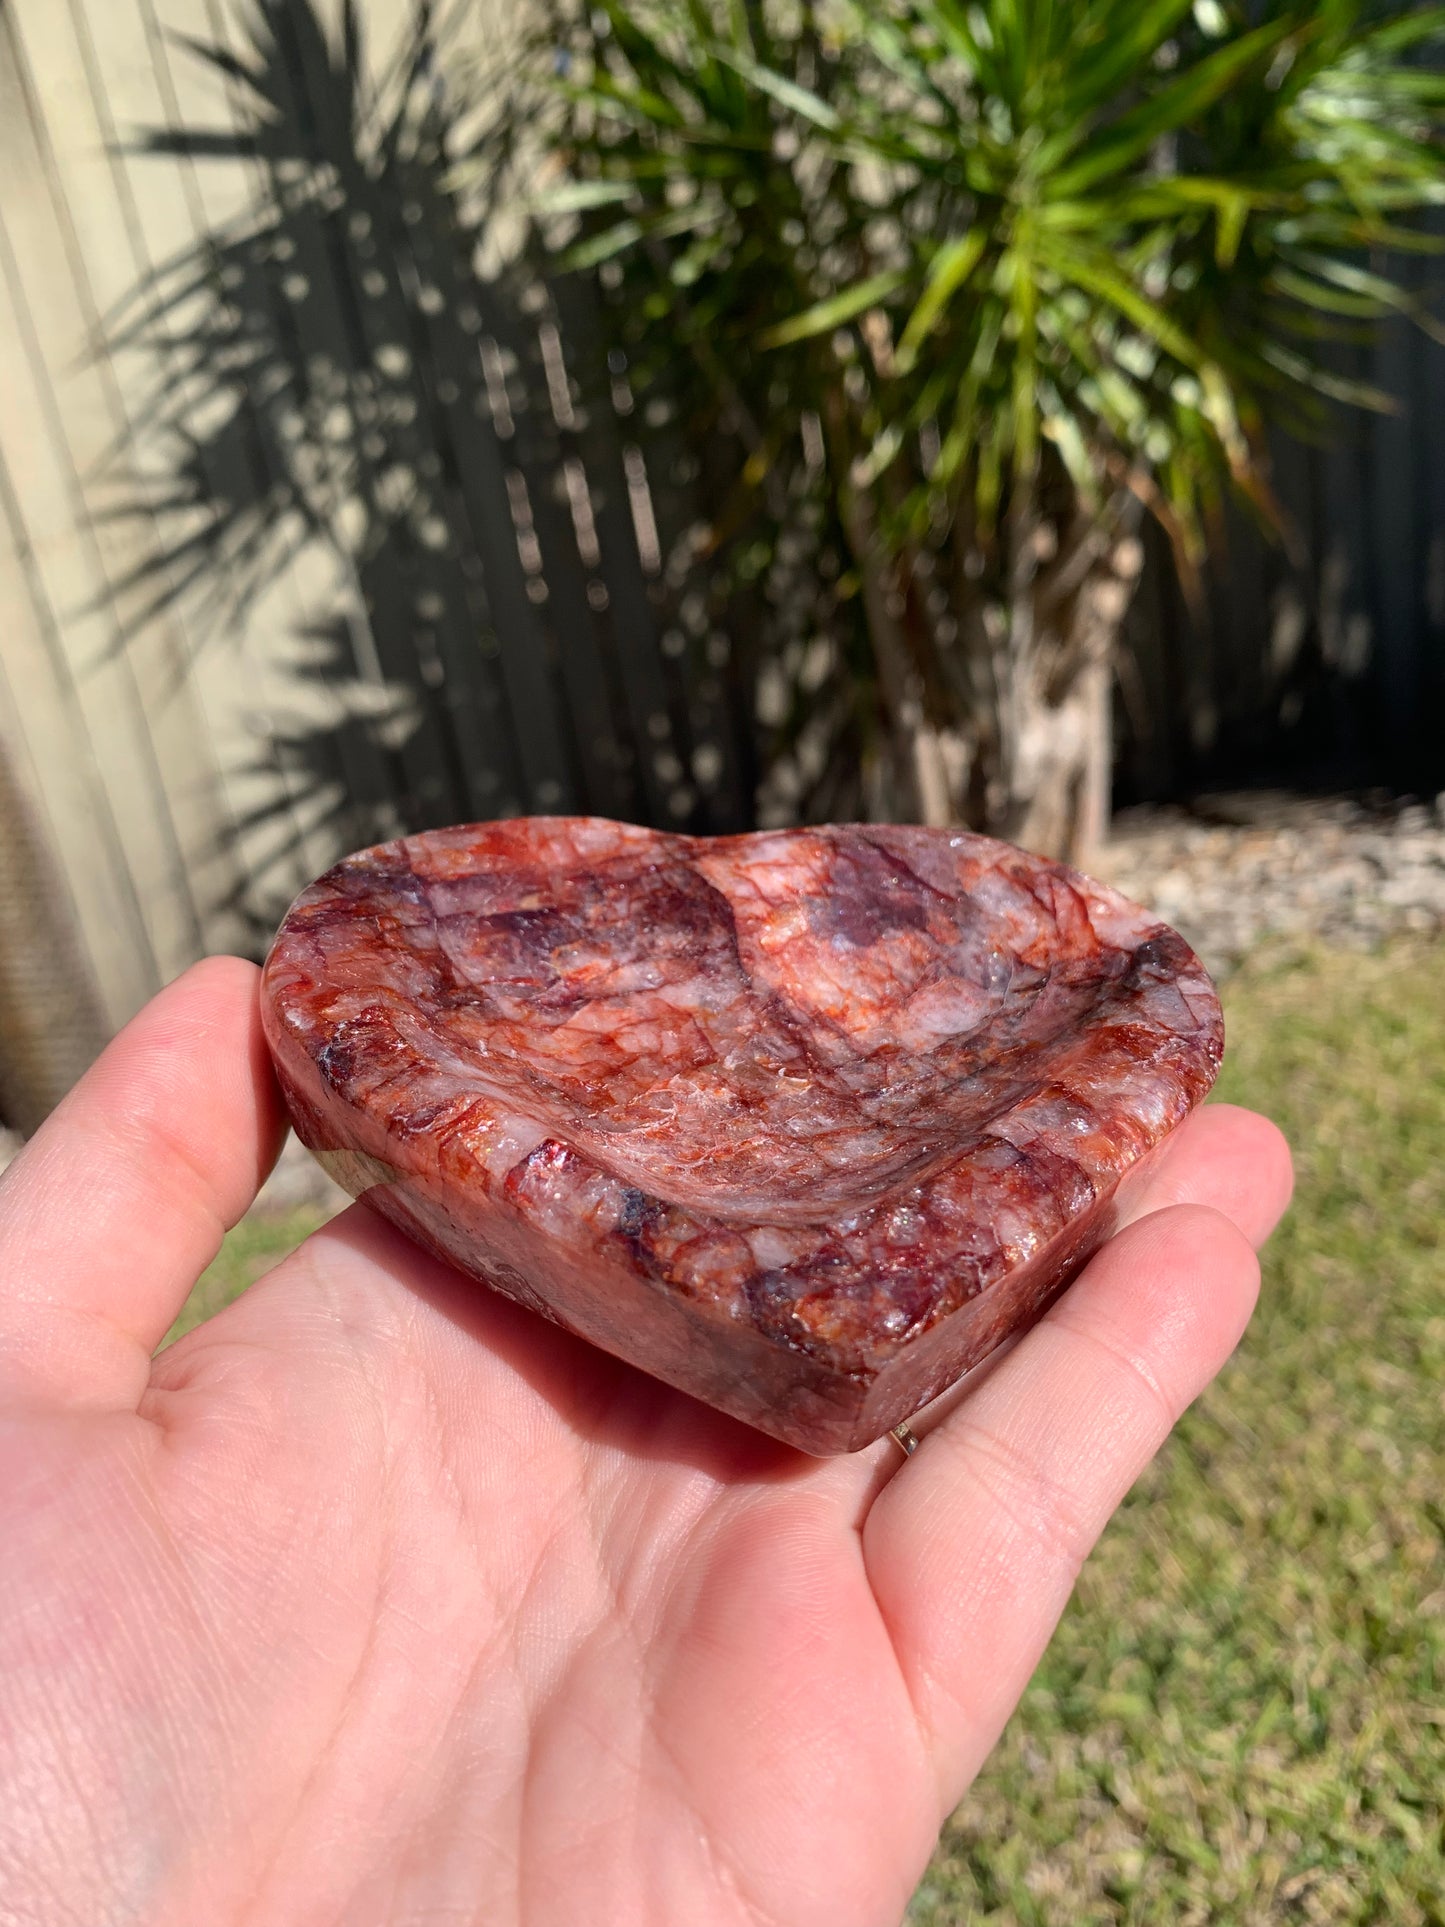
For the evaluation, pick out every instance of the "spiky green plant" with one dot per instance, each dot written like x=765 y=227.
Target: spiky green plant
x=970 y=288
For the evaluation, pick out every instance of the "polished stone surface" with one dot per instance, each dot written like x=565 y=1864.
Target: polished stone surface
x=804 y=1123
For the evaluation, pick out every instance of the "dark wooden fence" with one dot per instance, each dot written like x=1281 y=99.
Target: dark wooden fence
x=1320 y=663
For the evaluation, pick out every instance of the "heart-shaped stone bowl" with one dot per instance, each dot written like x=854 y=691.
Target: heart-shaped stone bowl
x=804 y=1123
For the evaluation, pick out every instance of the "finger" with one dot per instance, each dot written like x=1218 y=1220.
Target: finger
x=1231 y=1159
x=121 y=1199
x=973 y=1549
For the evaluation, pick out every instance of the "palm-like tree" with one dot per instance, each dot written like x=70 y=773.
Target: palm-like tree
x=970 y=288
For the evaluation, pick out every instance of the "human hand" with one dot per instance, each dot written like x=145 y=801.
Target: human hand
x=378 y=1600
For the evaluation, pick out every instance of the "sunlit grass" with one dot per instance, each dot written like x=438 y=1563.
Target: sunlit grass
x=1242 y=1717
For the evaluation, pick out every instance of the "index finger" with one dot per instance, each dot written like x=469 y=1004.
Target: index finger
x=120 y=1201
x=974 y=1546
x=1233 y=1160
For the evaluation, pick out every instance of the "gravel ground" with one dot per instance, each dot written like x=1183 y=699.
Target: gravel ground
x=1235 y=869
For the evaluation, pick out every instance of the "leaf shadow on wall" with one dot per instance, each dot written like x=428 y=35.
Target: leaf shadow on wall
x=351 y=382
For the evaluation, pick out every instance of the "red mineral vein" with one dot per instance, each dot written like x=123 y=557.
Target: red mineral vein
x=804 y=1123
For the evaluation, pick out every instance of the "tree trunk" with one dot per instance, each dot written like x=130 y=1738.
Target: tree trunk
x=1059 y=787
x=1010 y=732
x=1043 y=740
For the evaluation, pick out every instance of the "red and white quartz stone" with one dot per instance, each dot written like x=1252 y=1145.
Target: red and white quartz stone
x=804 y=1123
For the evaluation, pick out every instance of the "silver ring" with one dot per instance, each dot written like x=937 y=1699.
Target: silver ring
x=905 y=1439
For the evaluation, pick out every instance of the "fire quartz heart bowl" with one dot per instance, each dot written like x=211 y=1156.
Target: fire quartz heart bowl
x=804 y=1123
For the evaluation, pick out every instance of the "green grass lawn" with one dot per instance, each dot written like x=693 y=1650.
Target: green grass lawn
x=1242 y=1717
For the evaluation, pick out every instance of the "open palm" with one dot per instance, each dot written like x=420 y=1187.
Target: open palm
x=376 y=1599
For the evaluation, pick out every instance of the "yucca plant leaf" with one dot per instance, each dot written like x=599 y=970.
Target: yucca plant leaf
x=1098 y=274
x=1171 y=108
x=1019 y=268
x=824 y=316
x=715 y=85
x=1172 y=198
x=893 y=50
x=958 y=33
x=641 y=105
x=788 y=93
x=1356 y=394
x=1232 y=212
x=641 y=50
x=576 y=197
x=1350 y=278
x=949 y=269
x=988 y=486
x=1062 y=428
x=963 y=424
x=596 y=248
x=1137 y=32
x=1326 y=300
x=1400 y=36
x=1010 y=36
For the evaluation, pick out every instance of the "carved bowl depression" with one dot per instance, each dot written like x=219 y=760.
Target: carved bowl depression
x=804 y=1123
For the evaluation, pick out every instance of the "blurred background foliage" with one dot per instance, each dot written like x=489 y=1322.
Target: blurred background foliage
x=973 y=288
